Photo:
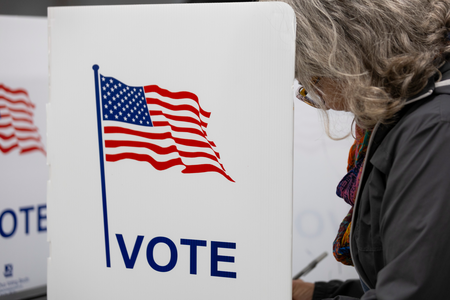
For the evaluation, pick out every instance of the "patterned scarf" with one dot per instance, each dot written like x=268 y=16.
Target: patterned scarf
x=347 y=190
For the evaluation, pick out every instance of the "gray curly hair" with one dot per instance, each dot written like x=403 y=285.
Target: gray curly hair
x=377 y=52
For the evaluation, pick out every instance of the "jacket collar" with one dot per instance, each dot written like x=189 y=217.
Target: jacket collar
x=434 y=86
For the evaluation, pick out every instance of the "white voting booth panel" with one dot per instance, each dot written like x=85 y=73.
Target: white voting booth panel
x=23 y=169
x=170 y=131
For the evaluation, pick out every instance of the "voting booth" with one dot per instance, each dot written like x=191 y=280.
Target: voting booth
x=170 y=137
x=23 y=169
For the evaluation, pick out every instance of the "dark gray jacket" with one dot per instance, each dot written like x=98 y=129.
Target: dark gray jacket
x=400 y=236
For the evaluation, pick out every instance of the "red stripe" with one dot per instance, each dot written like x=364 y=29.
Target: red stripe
x=6 y=137
x=27 y=103
x=205 y=168
x=31 y=138
x=146 y=158
x=6 y=125
x=26 y=129
x=6 y=150
x=22 y=120
x=176 y=95
x=18 y=91
x=178 y=118
x=30 y=149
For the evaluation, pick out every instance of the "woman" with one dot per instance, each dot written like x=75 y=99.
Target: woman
x=386 y=62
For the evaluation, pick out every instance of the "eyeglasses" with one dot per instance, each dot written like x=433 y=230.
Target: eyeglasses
x=302 y=94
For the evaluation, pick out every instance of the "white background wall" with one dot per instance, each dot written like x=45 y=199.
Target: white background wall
x=319 y=165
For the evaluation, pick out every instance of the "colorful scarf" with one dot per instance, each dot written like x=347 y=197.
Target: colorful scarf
x=347 y=190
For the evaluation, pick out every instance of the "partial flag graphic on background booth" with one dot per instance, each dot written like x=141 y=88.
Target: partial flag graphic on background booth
x=17 y=129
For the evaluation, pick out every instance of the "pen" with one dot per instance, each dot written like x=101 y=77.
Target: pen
x=311 y=266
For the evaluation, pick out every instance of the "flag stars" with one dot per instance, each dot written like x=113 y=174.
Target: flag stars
x=124 y=103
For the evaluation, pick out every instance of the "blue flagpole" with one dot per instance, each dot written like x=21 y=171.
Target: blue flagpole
x=102 y=165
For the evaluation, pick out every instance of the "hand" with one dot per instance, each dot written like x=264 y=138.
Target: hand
x=302 y=290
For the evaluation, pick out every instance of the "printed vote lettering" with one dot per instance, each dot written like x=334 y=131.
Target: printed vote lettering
x=131 y=252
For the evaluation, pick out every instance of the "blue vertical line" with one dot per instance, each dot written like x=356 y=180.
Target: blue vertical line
x=102 y=165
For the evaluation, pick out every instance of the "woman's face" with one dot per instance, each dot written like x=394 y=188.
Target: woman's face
x=330 y=94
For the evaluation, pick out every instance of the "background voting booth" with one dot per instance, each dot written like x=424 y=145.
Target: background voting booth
x=23 y=169
x=170 y=136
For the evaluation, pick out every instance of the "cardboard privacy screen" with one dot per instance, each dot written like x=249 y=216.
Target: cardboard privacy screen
x=170 y=151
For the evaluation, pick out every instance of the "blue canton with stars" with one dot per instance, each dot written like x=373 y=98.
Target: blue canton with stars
x=124 y=103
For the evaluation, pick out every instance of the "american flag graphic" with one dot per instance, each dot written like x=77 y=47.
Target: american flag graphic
x=153 y=125
x=17 y=130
